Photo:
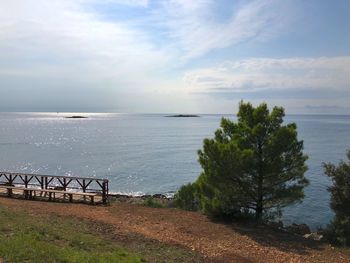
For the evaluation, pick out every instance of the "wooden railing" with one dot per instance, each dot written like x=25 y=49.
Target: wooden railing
x=64 y=183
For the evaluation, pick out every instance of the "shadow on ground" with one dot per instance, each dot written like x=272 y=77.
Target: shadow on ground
x=272 y=237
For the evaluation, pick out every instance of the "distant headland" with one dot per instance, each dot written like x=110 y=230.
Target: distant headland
x=183 y=116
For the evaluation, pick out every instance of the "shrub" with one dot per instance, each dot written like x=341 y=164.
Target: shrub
x=338 y=231
x=186 y=198
x=151 y=202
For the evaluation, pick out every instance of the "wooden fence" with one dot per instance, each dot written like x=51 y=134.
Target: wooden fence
x=64 y=183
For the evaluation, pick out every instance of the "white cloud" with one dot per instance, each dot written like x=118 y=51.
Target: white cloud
x=143 y=3
x=197 y=30
x=79 y=46
x=61 y=39
x=268 y=73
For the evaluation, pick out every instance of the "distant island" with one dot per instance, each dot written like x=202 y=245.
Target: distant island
x=183 y=116
x=76 y=117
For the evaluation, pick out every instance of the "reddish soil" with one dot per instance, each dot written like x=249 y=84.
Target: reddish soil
x=218 y=242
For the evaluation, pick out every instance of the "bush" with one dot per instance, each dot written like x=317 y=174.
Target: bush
x=151 y=202
x=338 y=231
x=186 y=198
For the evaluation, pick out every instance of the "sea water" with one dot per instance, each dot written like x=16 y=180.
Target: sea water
x=151 y=153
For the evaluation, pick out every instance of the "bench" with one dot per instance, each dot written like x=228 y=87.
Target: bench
x=30 y=193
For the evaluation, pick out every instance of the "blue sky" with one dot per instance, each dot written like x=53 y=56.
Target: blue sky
x=174 y=55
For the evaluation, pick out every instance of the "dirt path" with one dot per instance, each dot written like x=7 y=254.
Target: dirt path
x=217 y=242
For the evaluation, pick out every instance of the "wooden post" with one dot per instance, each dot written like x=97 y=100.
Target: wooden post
x=64 y=188
x=9 y=192
x=42 y=185
x=104 y=191
x=26 y=181
x=84 y=189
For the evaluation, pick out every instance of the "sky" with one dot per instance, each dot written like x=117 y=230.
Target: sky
x=174 y=56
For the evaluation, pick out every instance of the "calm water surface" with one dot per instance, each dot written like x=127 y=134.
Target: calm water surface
x=153 y=154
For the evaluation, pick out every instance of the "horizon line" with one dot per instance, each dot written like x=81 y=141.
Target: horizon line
x=166 y=113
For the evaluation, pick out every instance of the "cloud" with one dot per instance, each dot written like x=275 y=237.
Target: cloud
x=61 y=39
x=197 y=30
x=142 y=3
x=114 y=51
x=70 y=39
x=256 y=74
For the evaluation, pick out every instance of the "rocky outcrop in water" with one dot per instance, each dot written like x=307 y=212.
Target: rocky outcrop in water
x=183 y=116
x=76 y=117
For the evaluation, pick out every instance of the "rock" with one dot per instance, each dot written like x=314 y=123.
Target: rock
x=120 y=196
x=76 y=117
x=161 y=196
x=300 y=229
x=274 y=224
x=314 y=236
x=183 y=116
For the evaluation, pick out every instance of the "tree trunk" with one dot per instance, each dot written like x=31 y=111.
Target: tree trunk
x=259 y=203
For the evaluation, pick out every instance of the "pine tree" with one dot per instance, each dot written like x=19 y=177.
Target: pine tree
x=255 y=165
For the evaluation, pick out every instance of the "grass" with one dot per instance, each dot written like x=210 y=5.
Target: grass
x=54 y=239
x=28 y=237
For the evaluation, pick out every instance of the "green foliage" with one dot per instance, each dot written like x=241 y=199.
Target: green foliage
x=152 y=202
x=339 y=229
x=253 y=166
x=186 y=198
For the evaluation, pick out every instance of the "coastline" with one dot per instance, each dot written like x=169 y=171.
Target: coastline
x=134 y=151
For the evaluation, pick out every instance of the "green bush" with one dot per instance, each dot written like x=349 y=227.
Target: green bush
x=186 y=198
x=338 y=231
x=152 y=202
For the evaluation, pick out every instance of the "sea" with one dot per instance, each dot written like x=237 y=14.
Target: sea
x=151 y=153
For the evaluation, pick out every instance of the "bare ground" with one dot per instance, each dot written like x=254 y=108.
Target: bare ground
x=217 y=242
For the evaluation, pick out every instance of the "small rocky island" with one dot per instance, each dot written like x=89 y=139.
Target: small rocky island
x=183 y=116
x=76 y=117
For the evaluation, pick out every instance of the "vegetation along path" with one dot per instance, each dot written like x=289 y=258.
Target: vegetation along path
x=213 y=242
